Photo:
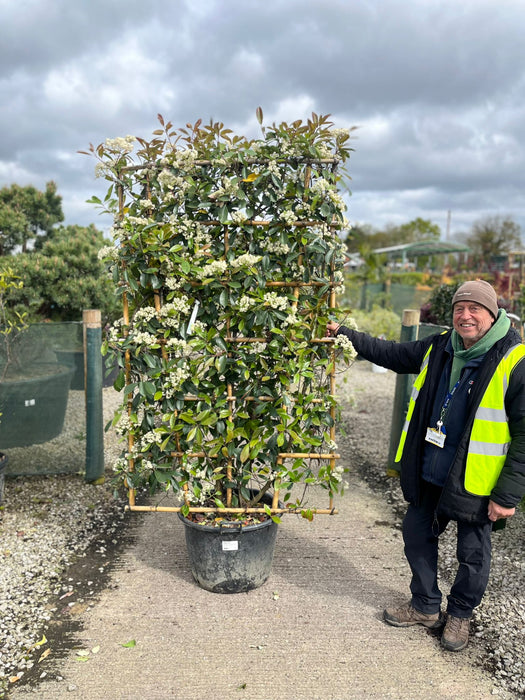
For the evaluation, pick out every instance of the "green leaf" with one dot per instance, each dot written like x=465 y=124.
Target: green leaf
x=129 y=645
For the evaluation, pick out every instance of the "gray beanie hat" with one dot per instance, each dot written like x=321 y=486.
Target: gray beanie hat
x=480 y=292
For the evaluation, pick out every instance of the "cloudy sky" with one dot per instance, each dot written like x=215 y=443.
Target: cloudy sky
x=436 y=88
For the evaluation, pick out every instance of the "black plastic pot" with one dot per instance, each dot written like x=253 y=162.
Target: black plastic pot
x=231 y=558
x=3 y=465
x=33 y=408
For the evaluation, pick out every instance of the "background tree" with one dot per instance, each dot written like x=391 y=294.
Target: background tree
x=359 y=235
x=26 y=215
x=493 y=236
x=64 y=277
x=411 y=232
x=419 y=230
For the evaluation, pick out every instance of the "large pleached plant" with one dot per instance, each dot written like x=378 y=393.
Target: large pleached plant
x=228 y=258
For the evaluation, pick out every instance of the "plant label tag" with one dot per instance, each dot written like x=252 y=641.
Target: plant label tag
x=436 y=437
x=230 y=546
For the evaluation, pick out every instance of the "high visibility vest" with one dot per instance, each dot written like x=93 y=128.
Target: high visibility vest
x=490 y=436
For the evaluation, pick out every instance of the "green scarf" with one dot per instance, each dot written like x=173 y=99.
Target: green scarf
x=498 y=330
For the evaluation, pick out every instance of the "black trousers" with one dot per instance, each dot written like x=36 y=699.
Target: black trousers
x=421 y=530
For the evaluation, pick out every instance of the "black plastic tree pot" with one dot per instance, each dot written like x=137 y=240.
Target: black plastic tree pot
x=33 y=408
x=231 y=558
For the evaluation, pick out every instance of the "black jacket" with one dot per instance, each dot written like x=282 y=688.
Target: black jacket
x=406 y=358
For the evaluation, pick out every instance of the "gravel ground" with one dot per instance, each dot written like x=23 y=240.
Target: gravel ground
x=48 y=524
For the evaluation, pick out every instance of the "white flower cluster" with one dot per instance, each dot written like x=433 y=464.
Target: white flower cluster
x=246 y=260
x=116 y=332
x=145 y=314
x=173 y=284
x=167 y=179
x=345 y=344
x=137 y=220
x=120 y=464
x=229 y=186
x=339 y=133
x=275 y=301
x=180 y=347
x=292 y=319
x=122 y=144
x=338 y=471
x=147 y=465
x=273 y=168
x=102 y=169
x=108 y=252
x=179 y=305
x=246 y=303
x=239 y=217
x=146 y=204
x=192 y=231
x=324 y=188
x=288 y=216
x=321 y=186
x=216 y=268
x=324 y=150
x=150 y=438
x=174 y=381
x=124 y=424
x=275 y=247
x=258 y=348
x=337 y=200
x=185 y=158
x=143 y=338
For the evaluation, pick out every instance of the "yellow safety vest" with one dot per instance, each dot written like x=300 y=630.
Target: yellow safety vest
x=490 y=436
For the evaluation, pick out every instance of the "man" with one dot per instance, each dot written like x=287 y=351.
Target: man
x=461 y=452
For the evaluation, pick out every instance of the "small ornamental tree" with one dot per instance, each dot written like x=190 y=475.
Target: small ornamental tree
x=228 y=258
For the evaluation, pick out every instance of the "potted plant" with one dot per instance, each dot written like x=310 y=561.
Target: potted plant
x=227 y=256
x=33 y=386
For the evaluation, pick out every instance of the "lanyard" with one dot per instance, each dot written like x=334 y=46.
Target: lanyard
x=446 y=403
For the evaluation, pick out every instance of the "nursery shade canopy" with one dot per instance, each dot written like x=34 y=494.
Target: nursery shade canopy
x=420 y=248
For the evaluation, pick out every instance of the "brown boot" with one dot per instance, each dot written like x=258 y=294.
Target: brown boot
x=455 y=634
x=406 y=616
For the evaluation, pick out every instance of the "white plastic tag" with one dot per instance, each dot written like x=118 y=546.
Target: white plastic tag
x=193 y=316
x=230 y=546
x=436 y=437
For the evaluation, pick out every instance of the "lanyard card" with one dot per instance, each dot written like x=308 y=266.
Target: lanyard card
x=435 y=437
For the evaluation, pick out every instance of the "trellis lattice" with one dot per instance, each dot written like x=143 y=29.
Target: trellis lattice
x=229 y=268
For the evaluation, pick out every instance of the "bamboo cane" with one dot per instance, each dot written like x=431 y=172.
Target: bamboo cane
x=274 y=511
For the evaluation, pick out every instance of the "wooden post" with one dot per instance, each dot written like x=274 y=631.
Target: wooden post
x=409 y=331
x=93 y=388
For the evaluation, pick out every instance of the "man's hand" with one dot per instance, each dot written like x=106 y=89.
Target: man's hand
x=331 y=329
x=496 y=511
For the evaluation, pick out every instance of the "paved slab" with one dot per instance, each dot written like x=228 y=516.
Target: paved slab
x=313 y=631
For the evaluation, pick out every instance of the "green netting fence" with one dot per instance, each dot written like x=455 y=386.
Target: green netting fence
x=50 y=397
x=361 y=295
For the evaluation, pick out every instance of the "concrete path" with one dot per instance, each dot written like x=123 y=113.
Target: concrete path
x=313 y=631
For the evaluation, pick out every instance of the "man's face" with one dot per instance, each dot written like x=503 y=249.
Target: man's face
x=471 y=321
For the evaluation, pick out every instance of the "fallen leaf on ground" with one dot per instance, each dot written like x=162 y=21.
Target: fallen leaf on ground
x=130 y=644
x=44 y=655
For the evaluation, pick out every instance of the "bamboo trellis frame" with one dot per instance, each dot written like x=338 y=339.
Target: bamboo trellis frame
x=295 y=285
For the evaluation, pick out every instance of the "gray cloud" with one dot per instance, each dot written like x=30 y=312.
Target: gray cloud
x=436 y=87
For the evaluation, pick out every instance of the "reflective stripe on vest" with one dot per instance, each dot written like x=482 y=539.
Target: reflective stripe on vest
x=490 y=436
x=420 y=380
